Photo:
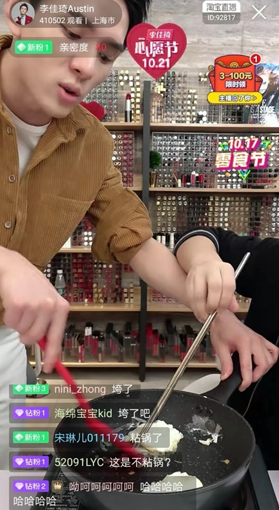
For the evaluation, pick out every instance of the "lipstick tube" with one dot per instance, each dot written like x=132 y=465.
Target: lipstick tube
x=134 y=344
x=95 y=343
x=183 y=349
x=128 y=109
x=81 y=352
x=121 y=349
x=75 y=344
x=171 y=332
x=171 y=241
x=149 y=336
x=202 y=354
x=155 y=346
x=114 y=343
x=193 y=179
x=101 y=348
x=162 y=349
x=109 y=340
x=63 y=352
x=88 y=338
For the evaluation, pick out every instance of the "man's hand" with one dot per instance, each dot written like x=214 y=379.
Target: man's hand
x=210 y=287
x=32 y=305
x=228 y=335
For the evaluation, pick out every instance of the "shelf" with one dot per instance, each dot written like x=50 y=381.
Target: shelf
x=175 y=308
x=134 y=364
x=77 y=249
x=123 y=126
x=214 y=128
x=113 y=307
x=206 y=128
x=175 y=363
x=96 y=364
x=215 y=190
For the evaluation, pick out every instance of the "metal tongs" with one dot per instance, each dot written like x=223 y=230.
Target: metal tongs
x=173 y=382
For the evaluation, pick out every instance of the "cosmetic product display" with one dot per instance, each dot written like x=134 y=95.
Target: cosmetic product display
x=112 y=95
x=179 y=97
x=85 y=343
x=130 y=82
x=245 y=215
x=196 y=160
x=157 y=297
x=123 y=155
x=83 y=235
x=89 y=281
x=107 y=95
x=172 y=342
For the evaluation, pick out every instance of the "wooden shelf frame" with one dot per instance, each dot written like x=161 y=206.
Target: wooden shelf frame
x=212 y=191
x=172 y=308
x=194 y=128
x=214 y=128
x=127 y=364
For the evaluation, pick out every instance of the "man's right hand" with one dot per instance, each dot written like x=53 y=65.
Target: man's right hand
x=31 y=304
x=210 y=287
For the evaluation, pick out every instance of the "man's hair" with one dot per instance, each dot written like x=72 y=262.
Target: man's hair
x=138 y=11
x=23 y=5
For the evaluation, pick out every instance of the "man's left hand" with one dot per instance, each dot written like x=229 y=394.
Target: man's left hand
x=228 y=335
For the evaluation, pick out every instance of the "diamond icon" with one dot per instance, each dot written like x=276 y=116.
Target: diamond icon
x=19 y=461
x=21 y=47
x=19 y=485
x=19 y=412
x=19 y=437
x=19 y=388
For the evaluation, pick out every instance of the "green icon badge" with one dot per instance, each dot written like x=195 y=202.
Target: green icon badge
x=30 y=437
x=23 y=47
x=30 y=389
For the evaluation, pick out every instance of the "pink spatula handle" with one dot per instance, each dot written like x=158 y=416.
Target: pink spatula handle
x=97 y=426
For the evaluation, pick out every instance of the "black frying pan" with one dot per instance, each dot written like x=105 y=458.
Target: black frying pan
x=221 y=467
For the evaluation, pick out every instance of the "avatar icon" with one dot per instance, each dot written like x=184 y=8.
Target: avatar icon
x=23 y=18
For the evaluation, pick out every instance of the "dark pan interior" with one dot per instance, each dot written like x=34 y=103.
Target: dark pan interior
x=209 y=463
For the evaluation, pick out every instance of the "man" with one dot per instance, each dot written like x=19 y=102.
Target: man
x=208 y=247
x=23 y=19
x=56 y=167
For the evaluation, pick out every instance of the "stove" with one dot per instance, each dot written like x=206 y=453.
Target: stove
x=256 y=493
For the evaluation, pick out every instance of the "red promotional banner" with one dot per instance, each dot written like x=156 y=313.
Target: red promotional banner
x=234 y=79
x=156 y=50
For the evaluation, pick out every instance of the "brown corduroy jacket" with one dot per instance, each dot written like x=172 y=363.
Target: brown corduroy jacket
x=69 y=175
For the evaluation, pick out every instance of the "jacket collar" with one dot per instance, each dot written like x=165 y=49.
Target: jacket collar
x=77 y=121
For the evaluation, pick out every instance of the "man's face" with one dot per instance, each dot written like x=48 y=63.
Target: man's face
x=46 y=81
x=23 y=10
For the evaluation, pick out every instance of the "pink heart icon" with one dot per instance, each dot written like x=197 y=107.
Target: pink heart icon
x=156 y=50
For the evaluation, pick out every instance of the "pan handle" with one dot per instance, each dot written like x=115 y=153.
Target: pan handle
x=226 y=388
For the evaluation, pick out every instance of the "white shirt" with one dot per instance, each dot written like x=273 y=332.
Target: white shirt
x=27 y=139
x=23 y=19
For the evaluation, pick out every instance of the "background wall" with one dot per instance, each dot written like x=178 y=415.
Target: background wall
x=206 y=42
